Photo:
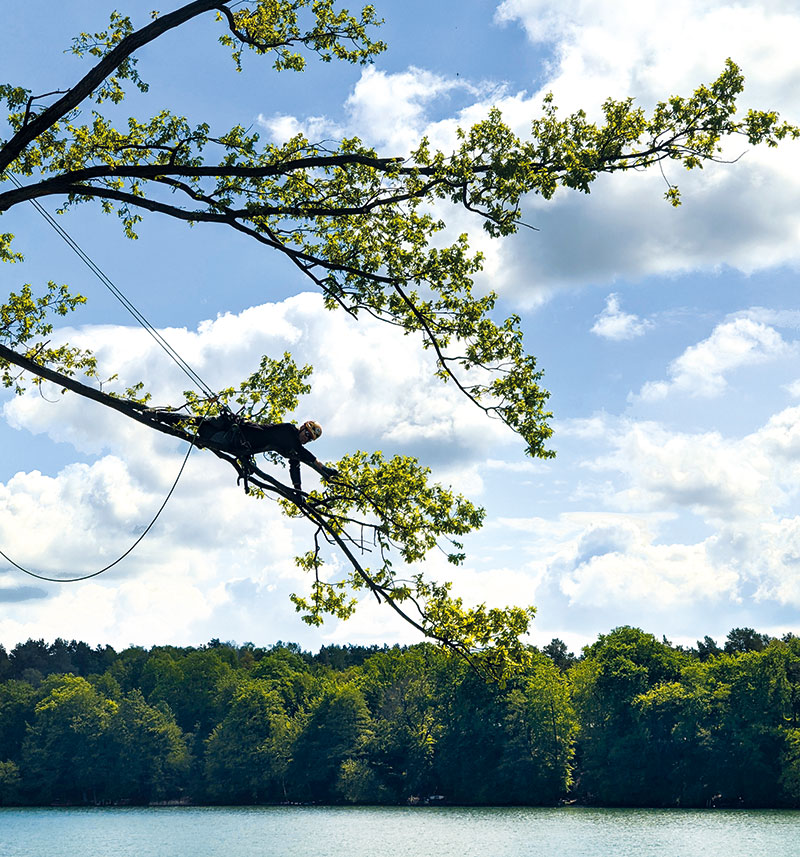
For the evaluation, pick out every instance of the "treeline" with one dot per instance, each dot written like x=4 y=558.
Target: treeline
x=632 y=721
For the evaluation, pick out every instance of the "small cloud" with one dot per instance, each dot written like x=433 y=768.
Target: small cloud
x=613 y=323
x=794 y=388
x=701 y=369
x=586 y=428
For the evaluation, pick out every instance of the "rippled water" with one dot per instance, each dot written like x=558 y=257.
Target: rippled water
x=396 y=832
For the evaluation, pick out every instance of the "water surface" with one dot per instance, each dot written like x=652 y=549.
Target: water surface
x=396 y=832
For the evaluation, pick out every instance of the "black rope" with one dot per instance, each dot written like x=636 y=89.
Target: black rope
x=117 y=292
x=160 y=340
x=120 y=558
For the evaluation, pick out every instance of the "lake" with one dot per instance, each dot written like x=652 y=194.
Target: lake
x=396 y=832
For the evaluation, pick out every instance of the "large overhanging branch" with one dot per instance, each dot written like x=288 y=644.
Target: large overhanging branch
x=157 y=171
x=133 y=410
x=71 y=184
x=80 y=182
x=100 y=72
x=124 y=50
x=331 y=525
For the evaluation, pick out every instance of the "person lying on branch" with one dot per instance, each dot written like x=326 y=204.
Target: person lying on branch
x=244 y=439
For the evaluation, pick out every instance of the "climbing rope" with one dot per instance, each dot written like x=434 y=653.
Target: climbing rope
x=160 y=340
x=118 y=559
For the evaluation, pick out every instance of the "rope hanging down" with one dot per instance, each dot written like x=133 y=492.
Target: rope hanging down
x=118 y=559
x=160 y=340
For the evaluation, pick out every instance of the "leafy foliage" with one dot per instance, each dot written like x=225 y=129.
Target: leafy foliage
x=25 y=321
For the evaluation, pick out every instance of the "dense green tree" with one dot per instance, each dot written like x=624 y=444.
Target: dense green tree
x=745 y=640
x=30 y=655
x=5 y=664
x=248 y=752
x=633 y=721
x=614 y=671
x=366 y=229
x=17 y=701
x=288 y=674
x=751 y=695
x=342 y=657
x=206 y=677
x=162 y=677
x=88 y=661
x=790 y=767
x=59 y=656
x=403 y=690
x=559 y=654
x=338 y=729
x=67 y=754
x=707 y=648
x=511 y=745
x=792 y=644
x=106 y=685
x=151 y=758
x=127 y=667
x=10 y=784
x=719 y=734
x=540 y=725
x=472 y=741
x=674 y=766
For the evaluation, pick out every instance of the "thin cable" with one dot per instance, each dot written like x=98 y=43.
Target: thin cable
x=160 y=340
x=117 y=292
x=119 y=559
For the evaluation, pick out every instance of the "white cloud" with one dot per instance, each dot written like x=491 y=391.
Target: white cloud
x=613 y=323
x=515 y=466
x=715 y=477
x=721 y=479
x=788 y=318
x=629 y=562
x=282 y=127
x=701 y=370
x=392 y=111
x=601 y=560
x=585 y=428
x=643 y=47
x=604 y=567
x=639 y=571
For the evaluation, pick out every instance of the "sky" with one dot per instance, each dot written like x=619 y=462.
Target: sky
x=669 y=339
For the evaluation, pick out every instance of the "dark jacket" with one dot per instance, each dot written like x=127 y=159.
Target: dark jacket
x=246 y=439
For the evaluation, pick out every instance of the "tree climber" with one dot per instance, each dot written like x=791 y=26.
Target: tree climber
x=244 y=439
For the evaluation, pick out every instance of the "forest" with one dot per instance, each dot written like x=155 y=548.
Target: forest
x=631 y=721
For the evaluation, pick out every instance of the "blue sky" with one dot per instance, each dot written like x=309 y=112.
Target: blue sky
x=669 y=341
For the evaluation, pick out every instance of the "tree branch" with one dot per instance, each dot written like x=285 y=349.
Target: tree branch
x=89 y=82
